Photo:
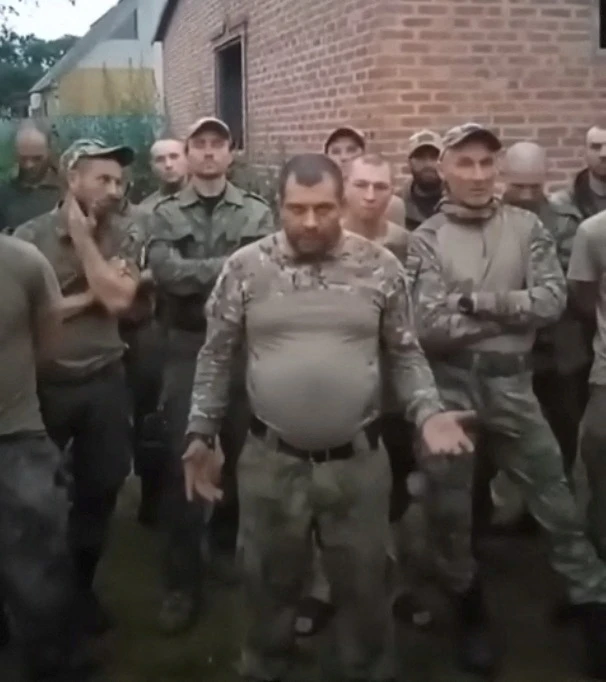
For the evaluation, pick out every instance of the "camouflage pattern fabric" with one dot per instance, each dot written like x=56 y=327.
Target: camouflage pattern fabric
x=442 y=326
x=34 y=557
x=517 y=434
x=356 y=264
x=349 y=500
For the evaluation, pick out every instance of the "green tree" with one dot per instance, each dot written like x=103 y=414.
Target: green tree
x=23 y=60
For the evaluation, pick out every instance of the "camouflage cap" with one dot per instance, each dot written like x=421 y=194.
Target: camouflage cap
x=95 y=149
x=459 y=134
x=209 y=123
x=424 y=138
x=345 y=131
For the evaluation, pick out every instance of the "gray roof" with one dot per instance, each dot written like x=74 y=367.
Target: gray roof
x=101 y=30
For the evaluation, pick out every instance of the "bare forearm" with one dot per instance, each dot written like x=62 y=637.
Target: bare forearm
x=71 y=306
x=113 y=290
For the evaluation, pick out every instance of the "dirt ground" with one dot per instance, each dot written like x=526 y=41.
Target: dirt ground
x=521 y=590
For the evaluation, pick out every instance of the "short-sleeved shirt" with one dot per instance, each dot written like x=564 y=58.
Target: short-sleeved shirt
x=29 y=287
x=588 y=264
x=90 y=341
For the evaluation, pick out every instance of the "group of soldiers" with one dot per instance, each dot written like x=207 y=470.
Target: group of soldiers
x=280 y=384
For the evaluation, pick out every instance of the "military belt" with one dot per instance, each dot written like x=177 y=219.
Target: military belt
x=491 y=363
x=341 y=452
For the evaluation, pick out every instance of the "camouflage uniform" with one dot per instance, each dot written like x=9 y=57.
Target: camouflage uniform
x=20 y=202
x=187 y=249
x=498 y=385
x=304 y=470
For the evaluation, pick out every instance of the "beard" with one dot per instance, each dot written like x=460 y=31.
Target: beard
x=428 y=184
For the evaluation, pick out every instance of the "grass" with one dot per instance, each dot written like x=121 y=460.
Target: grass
x=522 y=591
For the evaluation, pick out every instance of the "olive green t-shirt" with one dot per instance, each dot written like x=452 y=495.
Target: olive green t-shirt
x=90 y=340
x=29 y=287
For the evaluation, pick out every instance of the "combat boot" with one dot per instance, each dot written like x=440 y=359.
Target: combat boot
x=594 y=631
x=475 y=648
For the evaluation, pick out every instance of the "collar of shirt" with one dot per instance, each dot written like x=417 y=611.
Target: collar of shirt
x=189 y=197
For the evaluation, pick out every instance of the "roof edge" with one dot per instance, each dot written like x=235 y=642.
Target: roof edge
x=165 y=19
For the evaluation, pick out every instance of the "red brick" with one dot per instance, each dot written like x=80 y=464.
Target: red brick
x=393 y=66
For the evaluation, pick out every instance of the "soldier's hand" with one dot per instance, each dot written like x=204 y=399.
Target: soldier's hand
x=444 y=433
x=119 y=265
x=78 y=223
x=202 y=466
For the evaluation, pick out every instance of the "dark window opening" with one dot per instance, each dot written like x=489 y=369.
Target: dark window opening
x=602 y=21
x=230 y=90
x=129 y=30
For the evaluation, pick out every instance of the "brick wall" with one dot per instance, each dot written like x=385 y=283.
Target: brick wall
x=527 y=67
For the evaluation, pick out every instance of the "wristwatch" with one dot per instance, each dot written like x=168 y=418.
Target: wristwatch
x=465 y=305
x=209 y=441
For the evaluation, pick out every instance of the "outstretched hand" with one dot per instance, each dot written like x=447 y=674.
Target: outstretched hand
x=202 y=466
x=445 y=433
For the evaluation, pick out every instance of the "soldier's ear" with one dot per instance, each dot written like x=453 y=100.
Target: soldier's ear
x=72 y=178
x=440 y=169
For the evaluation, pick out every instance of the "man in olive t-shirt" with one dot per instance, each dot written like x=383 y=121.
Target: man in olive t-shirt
x=34 y=559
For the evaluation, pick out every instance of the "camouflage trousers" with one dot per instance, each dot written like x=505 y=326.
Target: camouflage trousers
x=517 y=435
x=35 y=567
x=282 y=498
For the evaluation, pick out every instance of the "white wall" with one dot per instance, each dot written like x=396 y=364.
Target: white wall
x=123 y=53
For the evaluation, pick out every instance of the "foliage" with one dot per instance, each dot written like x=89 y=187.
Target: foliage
x=23 y=61
x=137 y=131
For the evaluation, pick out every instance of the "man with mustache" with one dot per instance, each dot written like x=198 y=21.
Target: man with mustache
x=425 y=189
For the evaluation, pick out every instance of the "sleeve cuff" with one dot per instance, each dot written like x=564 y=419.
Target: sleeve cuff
x=427 y=410
x=202 y=426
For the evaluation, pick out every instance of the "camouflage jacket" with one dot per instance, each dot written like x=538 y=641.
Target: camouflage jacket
x=442 y=327
x=20 y=203
x=357 y=266
x=188 y=247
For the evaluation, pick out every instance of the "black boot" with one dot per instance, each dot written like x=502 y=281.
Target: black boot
x=594 y=631
x=475 y=648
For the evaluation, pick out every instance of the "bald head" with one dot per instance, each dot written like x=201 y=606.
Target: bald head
x=32 y=149
x=169 y=163
x=595 y=152
x=525 y=173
